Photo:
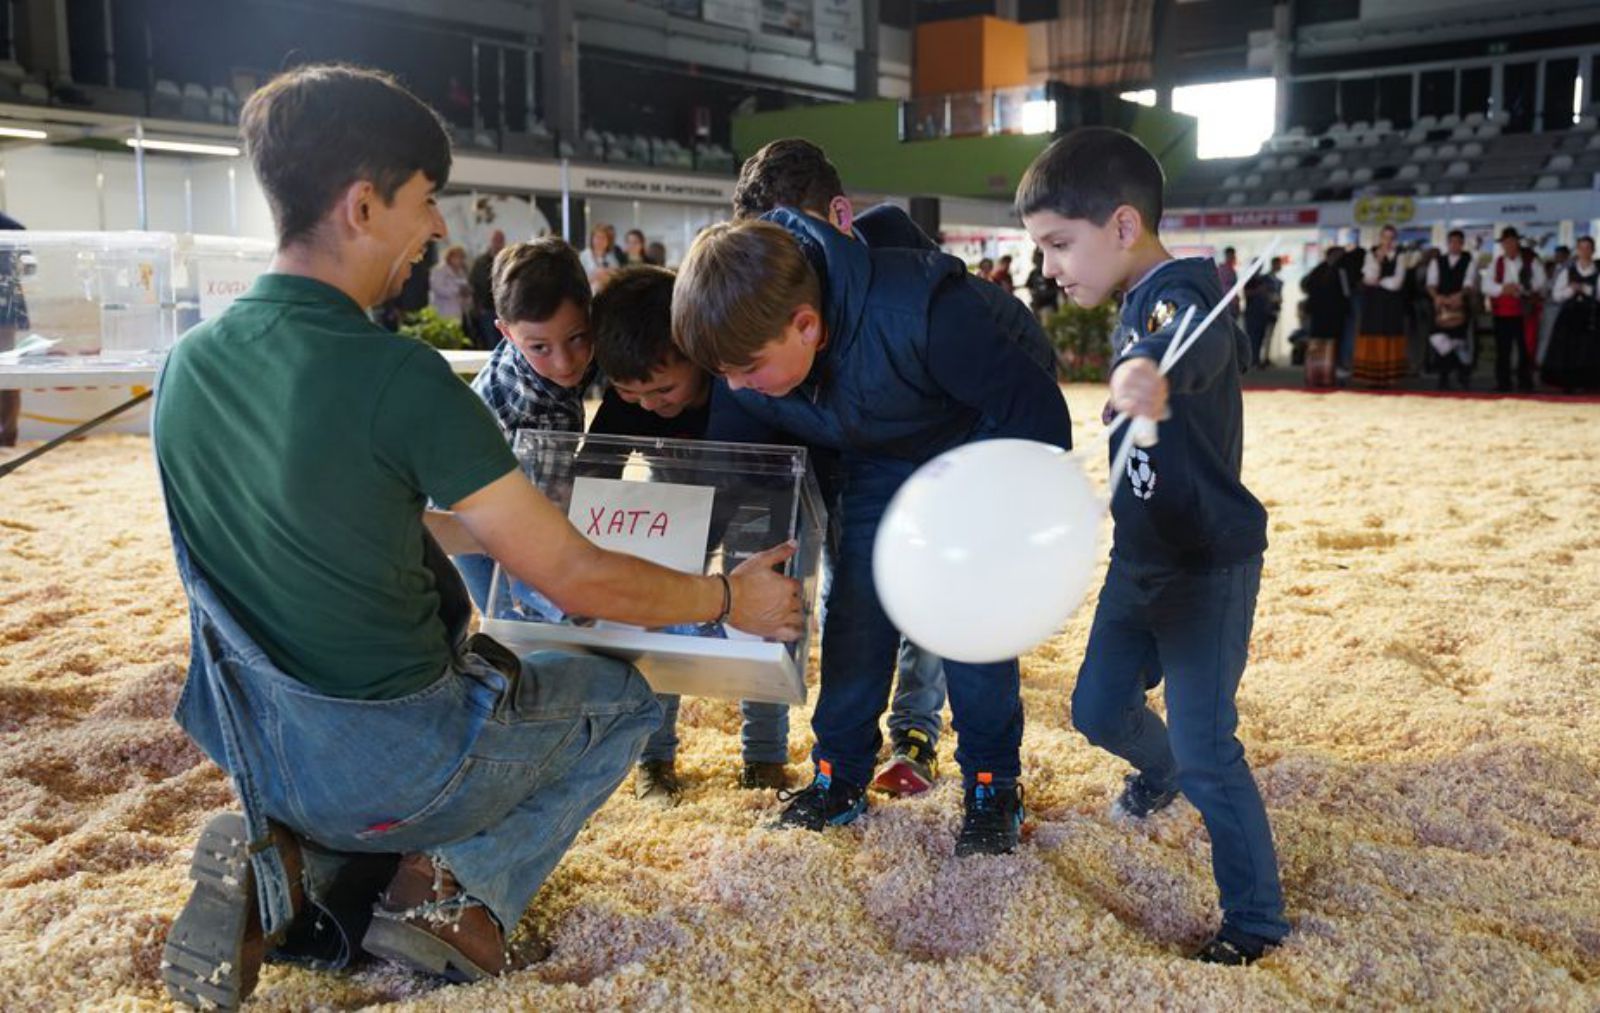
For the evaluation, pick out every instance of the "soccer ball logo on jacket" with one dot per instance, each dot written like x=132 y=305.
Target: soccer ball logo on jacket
x=1141 y=477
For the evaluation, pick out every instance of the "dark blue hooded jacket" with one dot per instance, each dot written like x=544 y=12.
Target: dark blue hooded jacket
x=915 y=362
x=886 y=226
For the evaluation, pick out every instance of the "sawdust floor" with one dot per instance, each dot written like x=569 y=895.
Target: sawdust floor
x=1421 y=710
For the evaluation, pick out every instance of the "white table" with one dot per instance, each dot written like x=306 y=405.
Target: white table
x=87 y=371
x=42 y=374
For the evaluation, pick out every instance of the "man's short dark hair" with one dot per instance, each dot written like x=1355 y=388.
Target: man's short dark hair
x=1456 y=234
x=791 y=172
x=533 y=279
x=631 y=323
x=1228 y=251
x=1090 y=173
x=313 y=131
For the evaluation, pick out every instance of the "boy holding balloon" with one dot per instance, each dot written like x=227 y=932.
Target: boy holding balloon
x=1180 y=594
x=890 y=357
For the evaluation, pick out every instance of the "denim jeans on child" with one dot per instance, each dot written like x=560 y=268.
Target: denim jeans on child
x=858 y=654
x=1190 y=629
x=493 y=768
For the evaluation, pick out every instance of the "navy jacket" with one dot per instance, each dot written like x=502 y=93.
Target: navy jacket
x=915 y=362
x=886 y=226
x=1182 y=502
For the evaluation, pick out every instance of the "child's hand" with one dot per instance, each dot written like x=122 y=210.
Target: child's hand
x=1138 y=388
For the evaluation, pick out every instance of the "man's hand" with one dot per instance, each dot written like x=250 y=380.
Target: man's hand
x=765 y=602
x=1138 y=388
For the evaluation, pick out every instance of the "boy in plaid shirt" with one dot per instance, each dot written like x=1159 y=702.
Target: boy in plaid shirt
x=536 y=375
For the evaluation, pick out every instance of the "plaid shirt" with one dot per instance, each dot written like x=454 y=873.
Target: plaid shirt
x=522 y=399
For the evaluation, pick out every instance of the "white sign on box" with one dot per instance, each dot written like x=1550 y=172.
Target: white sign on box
x=663 y=522
x=223 y=280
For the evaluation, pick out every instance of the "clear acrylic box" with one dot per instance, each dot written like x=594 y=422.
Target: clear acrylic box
x=213 y=271
x=695 y=505
x=95 y=296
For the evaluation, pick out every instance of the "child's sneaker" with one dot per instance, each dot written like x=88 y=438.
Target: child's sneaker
x=912 y=766
x=757 y=775
x=823 y=803
x=1140 y=798
x=993 y=821
x=1234 y=947
x=656 y=781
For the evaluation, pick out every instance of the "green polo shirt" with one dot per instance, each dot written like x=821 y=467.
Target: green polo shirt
x=301 y=443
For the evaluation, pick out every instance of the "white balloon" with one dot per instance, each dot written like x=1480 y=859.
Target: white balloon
x=988 y=549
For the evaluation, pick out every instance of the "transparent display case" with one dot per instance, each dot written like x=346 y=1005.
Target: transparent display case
x=213 y=271
x=697 y=506
x=88 y=295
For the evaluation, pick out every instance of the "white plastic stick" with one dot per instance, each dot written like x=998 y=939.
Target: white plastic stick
x=1180 y=344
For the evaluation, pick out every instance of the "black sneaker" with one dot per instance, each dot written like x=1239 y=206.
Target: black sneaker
x=1234 y=947
x=823 y=803
x=656 y=781
x=1140 y=799
x=757 y=775
x=993 y=819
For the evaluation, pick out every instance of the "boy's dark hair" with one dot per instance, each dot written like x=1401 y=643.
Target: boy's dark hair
x=631 y=323
x=1456 y=233
x=1228 y=251
x=531 y=280
x=791 y=172
x=1585 y=239
x=313 y=131
x=737 y=289
x=1091 y=172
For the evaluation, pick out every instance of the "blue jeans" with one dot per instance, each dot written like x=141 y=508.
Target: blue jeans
x=763 y=739
x=858 y=655
x=918 y=693
x=492 y=768
x=1192 y=631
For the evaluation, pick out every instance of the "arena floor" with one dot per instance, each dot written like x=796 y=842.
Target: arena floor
x=1422 y=711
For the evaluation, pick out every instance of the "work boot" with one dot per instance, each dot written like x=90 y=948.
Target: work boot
x=214 y=950
x=425 y=922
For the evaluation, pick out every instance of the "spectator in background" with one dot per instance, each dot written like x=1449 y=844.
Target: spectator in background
x=634 y=248
x=1380 y=358
x=1043 y=294
x=1509 y=283
x=481 y=280
x=1419 y=306
x=1559 y=259
x=414 y=293
x=602 y=257
x=1002 y=274
x=1263 y=302
x=1449 y=282
x=1327 y=290
x=985 y=268
x=448 y=289
x=1352 y=263
x=656 y=253
x=13 y=318
x=1572 y=360
x=1228 y=271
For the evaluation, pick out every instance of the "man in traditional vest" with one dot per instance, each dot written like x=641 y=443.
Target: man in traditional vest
x=1449 y=279
x=1508 y=284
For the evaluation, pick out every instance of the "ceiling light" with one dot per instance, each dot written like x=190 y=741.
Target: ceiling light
x=183 y=147
x=32 y=135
